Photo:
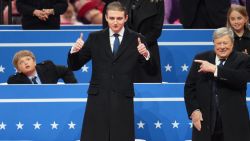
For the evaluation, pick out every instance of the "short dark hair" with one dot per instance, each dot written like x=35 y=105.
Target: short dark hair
x=116 y=6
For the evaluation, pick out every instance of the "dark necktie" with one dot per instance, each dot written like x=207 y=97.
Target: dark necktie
x=34 y=80
x=116 y=43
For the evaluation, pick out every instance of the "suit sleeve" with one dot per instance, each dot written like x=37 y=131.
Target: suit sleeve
x=190 y=90
x=77 y=60
x=24 y=8
x=65 y=74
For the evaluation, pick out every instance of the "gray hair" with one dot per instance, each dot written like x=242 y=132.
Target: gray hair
x=223 y=31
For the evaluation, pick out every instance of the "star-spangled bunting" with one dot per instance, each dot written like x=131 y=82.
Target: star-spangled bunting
x=37 y=125
x=140 y=125
x=19 y=126
x=2 y=69
x=85 y=68
x=175 y=124
x=184 y=67
x=54 y=125
x=191 y=124
x=2 y=126
x=71 y=125
x=168 y=68
x=158 y=124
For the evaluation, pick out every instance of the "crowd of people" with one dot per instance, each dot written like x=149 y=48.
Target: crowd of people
x=127 y=51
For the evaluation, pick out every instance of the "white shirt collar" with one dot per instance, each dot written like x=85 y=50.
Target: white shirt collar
x=111 y=33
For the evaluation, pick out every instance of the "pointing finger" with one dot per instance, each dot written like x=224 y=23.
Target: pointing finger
x=199 y=61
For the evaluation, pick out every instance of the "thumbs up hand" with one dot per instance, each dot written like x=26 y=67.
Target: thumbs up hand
x=142 y=48
x=78 y=45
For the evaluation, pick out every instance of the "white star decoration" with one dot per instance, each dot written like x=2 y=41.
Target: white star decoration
x=85 y=68
x=71 y=125
x=175 y=124
x=19 y=126
x=184 y=67
x=54 y=125
x=140 y=124
x=2 y=126
x=2 y=69
x=37 y=125
x=168 y=68
x=158 y=124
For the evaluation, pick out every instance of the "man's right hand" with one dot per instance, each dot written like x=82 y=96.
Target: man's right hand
x=78 y=45
x=196 y=117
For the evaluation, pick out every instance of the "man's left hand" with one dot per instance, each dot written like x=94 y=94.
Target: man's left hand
x=142 y=48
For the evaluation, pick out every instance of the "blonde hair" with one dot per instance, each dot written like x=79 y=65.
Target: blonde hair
x=20 y=54
x=116 y=6
x=242 y=10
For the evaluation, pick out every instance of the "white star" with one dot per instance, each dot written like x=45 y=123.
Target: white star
x=175 y=124
x=19 y=125
x=54 y=125
x=71 y=125
x=168 y=68
x=37 y=125
x=191 y=124
x=15 y=70
x=184 y=67
x=85 y=68
x=2 y=69
x=158 y=124
x=2 y=126
x=140 y=124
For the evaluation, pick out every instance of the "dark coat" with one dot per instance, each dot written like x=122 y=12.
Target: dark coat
x=48 y=72
x=232 y=80
x=109 y=114
x=147 y=19
x=242 y=43
x=216 y=9
x=29 y=21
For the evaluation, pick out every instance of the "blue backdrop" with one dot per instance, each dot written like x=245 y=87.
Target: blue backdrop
x=55 y=112
x=177 y=49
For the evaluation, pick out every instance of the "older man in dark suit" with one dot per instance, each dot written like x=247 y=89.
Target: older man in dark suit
x=114 y=51
x=204 y=13
x=215 y=92
x=29 y=72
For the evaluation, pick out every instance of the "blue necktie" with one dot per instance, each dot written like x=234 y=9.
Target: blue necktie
x=116 y=43
x=34 y=80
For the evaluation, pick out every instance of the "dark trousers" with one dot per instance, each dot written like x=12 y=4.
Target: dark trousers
x=218 y=129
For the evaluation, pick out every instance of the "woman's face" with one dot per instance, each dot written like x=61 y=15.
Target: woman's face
x=237 y=21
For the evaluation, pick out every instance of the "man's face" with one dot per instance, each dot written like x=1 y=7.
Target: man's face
x=223 y=46
x=26 y=65
x=116 y=20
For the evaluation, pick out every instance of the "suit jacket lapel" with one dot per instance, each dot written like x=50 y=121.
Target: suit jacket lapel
x=107 y=43
x=230 y=59
x=124 y=44
x=41 y=75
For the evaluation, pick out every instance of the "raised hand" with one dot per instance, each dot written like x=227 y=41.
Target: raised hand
x=79 y=44
x=142 y=48
x=205 y=66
